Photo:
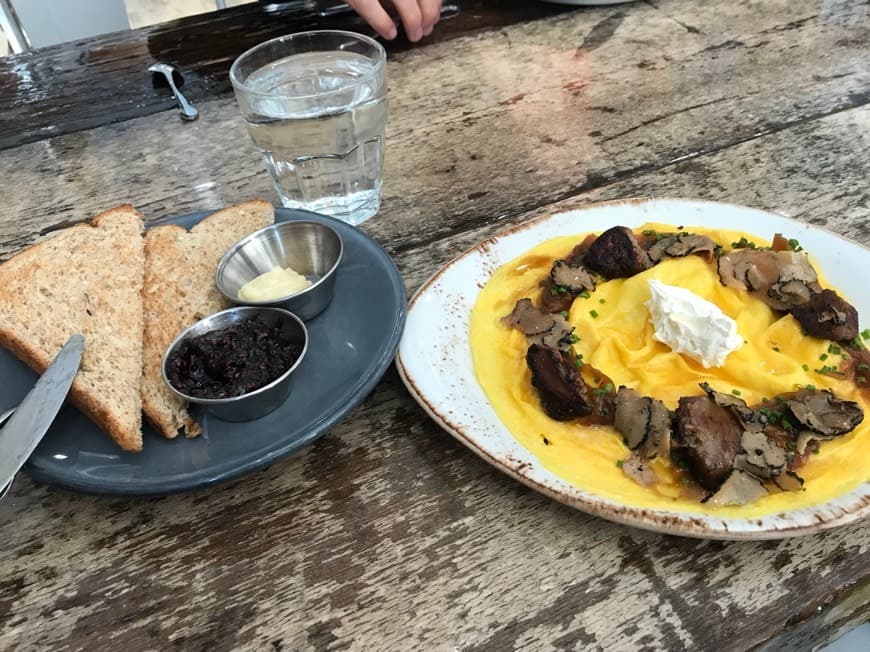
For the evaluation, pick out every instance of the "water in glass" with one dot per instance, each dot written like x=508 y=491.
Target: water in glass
x=319 y=118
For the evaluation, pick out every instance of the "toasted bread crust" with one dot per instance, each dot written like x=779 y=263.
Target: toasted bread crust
x=36 y=283
x=178 y=290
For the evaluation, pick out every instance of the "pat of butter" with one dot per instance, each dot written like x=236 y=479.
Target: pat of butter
x=273 y=285
x=691 y=325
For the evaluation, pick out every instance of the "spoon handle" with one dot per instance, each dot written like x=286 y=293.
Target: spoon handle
x=188 y=111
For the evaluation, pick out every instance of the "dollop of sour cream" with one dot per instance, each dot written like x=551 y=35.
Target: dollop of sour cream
x=691 y=325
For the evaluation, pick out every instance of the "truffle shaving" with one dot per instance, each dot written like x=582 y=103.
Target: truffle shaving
x=823 y=413
x=781 y=279
x=739 y=488
x=681 y=245
x=643 y=422
x=547 y=329
x=575 y=278
x=638 y=469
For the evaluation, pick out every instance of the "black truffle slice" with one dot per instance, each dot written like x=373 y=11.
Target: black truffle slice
x=739 y=488
x=643 y=422
x=528 y=319
x=575 y=278
x=679 y=246
x=824 y=413
x=781 y=279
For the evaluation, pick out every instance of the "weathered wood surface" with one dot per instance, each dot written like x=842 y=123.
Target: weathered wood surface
x=386 y=533
x=86 y=84
x=466 y=143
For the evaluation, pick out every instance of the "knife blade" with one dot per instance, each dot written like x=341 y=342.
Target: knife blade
x=31 y=420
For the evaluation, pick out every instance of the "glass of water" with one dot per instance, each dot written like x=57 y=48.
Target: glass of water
x=315 y=103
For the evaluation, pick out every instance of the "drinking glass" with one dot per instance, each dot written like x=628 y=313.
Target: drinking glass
x=315 y=103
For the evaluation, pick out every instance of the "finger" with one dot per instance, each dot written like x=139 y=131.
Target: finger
x=431 y=12
x=412 y=19
x=373 y=13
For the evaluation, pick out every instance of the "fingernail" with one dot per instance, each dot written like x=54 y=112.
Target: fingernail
x=391 y=33
x=428 y=30
x=415 y=35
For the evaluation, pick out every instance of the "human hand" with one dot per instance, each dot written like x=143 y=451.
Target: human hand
x=418 y=16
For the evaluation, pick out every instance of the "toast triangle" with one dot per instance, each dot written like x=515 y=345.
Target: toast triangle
x=85 y=279
x=179 y=289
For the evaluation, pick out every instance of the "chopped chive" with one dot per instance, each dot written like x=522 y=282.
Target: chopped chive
x=619 y=463
x=845 y=356
x=861 y=379
x=865 y=334
x=574 y=339
x=736 y=392
x=805 y=367
x=594 y=314
x=835 y=350
x=812 y=388
x=585 y=294
x=776 y=348
x=863 y=366
x=602 y=301
x=564 y=314
x=823 y=357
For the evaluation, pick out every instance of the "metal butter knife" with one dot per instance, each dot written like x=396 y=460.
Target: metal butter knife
x=32 y=418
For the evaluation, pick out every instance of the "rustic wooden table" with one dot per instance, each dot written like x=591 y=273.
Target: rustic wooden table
x=387 y=533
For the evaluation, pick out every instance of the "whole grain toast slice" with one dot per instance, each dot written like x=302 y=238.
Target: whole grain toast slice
x=179 y=289
x=85 y=279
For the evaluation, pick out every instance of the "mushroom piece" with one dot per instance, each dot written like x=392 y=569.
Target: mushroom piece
x=643 y=422
x=638 y=469
x=559 y=384
x=739 y=488
x=708 y=436
x=616 y=253
x=551 y=299
x=575 y=278
x=823 y=413
x=828 y=316
x=681 y=245
x=781 y=279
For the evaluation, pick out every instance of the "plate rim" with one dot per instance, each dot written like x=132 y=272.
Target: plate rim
x=359 y=391
x=656 y=520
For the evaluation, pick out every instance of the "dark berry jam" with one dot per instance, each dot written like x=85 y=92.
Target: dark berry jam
x=231 y=361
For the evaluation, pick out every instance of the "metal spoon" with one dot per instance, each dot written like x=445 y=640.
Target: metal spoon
x=188 y=111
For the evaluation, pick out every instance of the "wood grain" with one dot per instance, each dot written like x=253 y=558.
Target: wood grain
x=387 y=534
x=478 y=153
x=52 y=91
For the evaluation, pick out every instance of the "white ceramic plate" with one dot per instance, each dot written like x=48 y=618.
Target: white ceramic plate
x=435 y=361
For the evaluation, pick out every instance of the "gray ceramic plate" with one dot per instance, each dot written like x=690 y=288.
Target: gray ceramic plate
x=352 y=343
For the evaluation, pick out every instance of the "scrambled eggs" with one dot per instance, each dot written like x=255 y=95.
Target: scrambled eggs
x=616 y=337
